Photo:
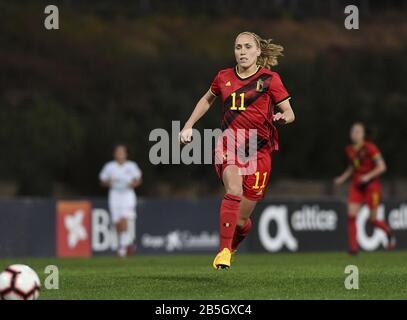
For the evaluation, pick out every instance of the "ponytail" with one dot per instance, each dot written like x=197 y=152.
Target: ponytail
x=269 y=51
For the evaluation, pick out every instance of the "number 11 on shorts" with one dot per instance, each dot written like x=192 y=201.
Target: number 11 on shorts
x=256 y=185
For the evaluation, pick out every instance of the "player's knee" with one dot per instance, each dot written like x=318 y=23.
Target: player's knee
x=235 y=190
x=372 y=218
x=353 y=211
x=120 y=226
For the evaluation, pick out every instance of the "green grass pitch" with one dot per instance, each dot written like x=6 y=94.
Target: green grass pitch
x=382 y=275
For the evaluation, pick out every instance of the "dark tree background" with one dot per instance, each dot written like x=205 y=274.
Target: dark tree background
x=113 y=72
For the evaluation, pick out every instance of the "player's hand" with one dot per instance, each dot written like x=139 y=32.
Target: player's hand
x=338 y=181
x=106 y=183
x=364 y=179
x=280 y=118
x=185 y=136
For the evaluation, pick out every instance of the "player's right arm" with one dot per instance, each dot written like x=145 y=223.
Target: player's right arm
x=201 y=108
x=344 y=176
x=104 y=177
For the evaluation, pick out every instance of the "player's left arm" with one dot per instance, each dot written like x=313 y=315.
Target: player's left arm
x=379 y=169
x=281 y=98
x=137 y=177
x=286 y=115
x=135 y=183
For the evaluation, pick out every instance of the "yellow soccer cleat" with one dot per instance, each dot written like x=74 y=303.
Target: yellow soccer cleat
x=223 y=259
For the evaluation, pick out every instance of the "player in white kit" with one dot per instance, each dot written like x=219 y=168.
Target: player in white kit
x=121 y=176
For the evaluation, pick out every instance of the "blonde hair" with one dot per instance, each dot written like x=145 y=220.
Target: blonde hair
x=269 y=51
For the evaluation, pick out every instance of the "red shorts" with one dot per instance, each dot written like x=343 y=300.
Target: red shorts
x=254 y=184
x=370 y=194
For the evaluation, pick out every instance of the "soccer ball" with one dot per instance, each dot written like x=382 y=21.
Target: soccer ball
x=19 y=282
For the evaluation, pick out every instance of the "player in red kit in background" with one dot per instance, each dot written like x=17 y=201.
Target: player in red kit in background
x=249 y=93
x=366 y=164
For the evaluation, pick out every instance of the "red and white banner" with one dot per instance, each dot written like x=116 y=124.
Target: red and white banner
x=73 y=228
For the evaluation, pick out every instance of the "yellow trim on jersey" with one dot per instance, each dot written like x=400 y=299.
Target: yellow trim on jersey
x=237 y=72
x=212 y=92
x=377 y=156
x=288 y=98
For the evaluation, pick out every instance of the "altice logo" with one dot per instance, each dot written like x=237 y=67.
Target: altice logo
x=214 y=147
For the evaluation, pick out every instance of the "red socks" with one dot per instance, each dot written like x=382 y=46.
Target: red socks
x=382 y=225
x=241 y=233
x=229 y=213
x=353 y=244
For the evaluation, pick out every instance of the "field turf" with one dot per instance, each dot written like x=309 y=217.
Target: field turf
x=382 y=275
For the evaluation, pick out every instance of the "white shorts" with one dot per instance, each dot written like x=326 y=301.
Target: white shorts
x=120 y=212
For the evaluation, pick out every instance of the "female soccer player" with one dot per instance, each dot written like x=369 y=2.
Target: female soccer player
x=121 y=176
x=250 y=91
x=365 y=167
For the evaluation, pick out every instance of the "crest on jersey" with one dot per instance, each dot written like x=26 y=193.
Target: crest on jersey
x=260 y=85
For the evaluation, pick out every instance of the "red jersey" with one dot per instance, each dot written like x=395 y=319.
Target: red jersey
x=248 y=103
x=362 y=160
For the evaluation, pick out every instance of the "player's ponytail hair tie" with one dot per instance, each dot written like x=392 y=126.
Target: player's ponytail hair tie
x=269 y=50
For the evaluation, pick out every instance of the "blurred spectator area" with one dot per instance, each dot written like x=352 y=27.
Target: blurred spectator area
x=282 y=188
x=116 y=70
x=271 y=8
